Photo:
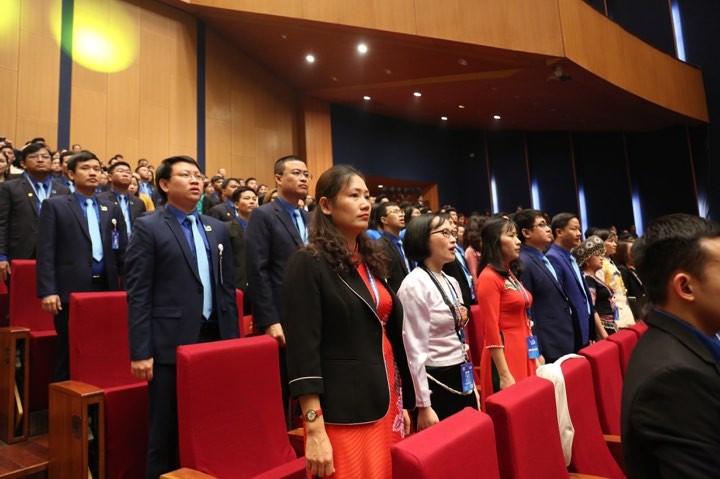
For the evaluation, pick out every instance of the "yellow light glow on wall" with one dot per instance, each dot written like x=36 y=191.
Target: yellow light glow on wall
x=105 y=37
x=9 y=16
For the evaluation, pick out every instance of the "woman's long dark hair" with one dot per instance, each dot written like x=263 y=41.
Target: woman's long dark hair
x=491 y=232
x=327 y=241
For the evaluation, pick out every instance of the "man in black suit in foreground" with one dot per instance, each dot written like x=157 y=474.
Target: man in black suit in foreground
x=671 y=390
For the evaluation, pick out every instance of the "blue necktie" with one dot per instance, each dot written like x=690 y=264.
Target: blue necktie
x=300 y=225
x=94 y=229
x=550 y=267
x=71 y=185
x=41 y=195
x=576 y=269
x=125 y=212
x=203 y=266
x=402 y=253
x=468 y=277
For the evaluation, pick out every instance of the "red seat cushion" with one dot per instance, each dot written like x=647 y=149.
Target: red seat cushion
x=25 y=306
x=626 y=341
x=639 y=328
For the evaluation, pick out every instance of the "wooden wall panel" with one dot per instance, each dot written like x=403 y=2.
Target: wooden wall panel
x=9 y=58
x=317 y=136
x=251 y=116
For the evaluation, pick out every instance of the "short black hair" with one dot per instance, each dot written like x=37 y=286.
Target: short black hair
x=81 y=157
x=250 y=179
x=112 y=167
x=525 y=220
x=417 y=236
x=382 y=212
x=604 y=234
x=164 y=171
x=65 y=154
x=560 y=221
x=33 y=148
x=671 y=243
x=491 y=255
x=227 y=181
x=240 y=191
x=279 y=167
x=380 y=197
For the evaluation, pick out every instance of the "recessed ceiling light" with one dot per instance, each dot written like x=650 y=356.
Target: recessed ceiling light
x=362 y=48
x=443 y=118
x=417 y=93
x=283 y=36
x=366 y=98
x=388 y=71
x=310 y=58
x=463 y=62
x=461 y=106
x=334 y=78
x=381 y=186
x=497 y=117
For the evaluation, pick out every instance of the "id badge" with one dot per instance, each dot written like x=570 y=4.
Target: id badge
x=115 y=239
x=533 y=348
x=466 y=373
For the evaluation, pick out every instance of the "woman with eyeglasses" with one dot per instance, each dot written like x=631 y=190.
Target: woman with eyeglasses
x=434 y=322
x=511 y=351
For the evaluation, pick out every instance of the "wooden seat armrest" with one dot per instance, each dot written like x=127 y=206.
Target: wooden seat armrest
x=614 y=443
x=577 y=475
x=186 y=473
x=297 y=441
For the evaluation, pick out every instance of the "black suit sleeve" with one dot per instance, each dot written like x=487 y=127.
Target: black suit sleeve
x=237 y=240
x=140 y=277
x=257 y=261
x=4 y=218
x=47 y=240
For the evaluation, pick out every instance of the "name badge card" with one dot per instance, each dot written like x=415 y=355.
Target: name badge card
x=533 y=348
x=466 y=373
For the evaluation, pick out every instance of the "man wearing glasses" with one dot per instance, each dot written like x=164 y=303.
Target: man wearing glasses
x=392 y=220
x=20 y=203
x=131 y=206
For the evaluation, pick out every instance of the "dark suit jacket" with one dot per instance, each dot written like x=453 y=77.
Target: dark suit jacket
x=208 y=202
x=334 y=342
x=64 y=257
x=398 y=269
x=574 y=290
x=270 y=238
x=136 y=205
x=671 y=405
x=165 y=294
x=222 y=212
x=455 y=270
x=634 y=288
x=19 y=217
x=237 y=240
x=552 y=312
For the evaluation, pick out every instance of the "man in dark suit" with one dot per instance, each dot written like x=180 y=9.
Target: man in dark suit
x=131 y=206
x=551 y=311
x=225 y=211
x=20 y=202
x=81 y=247
x=245 y=201
x=180 y=291
x=392 y=220
x=146 y=186
x=213 y=199
x=670 y=417
x=459 y=270
x=274 y=232
x=567 y=233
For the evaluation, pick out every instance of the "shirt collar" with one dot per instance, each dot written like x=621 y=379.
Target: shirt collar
x=47 y=181
x=394 y=238
x=532 y=251
x=288 y=207
x=712 y=344
x=181 y=215
x=564 y=252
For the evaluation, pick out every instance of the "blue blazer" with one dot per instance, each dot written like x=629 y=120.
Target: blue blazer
x=270 y=238
x=165 y=294
x=578 y=292
x=64 y=251
x=554 y=317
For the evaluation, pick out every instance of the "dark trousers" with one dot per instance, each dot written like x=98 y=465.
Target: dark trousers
x=163 y=444
x=62 y=344
x=444 y=402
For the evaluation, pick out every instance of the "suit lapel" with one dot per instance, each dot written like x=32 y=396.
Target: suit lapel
x=78 y=213
x=282 y=214
x=27 y=191
x=355 y=283
x=214 y=256
x=547 y=272
x=177 y=231
x=395 y=252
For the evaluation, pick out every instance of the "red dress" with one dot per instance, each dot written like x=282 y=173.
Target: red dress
x=363 y=451
x=503 y=305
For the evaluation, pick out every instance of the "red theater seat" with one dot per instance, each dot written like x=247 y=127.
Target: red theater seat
x=100 y=355
x=639 y=328
x=461 y=443
x=245 y=322
x=626 y=341
x=230 y=414
x=26 y=312
x=590 y=453
x=604 y=358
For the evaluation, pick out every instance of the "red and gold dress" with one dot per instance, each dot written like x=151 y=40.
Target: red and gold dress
x=364 y=450
x=503 y=304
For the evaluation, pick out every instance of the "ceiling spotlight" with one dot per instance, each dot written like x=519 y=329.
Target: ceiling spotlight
x=310 y=58
x=362 y=48
x=283 y=36
x=366 y=98
x=334 y=78
x=443 y=118
x=497 y=117
x=388 y=71
x=417 y=93
x=463 y=62
x=381 y=186
x=461 y=106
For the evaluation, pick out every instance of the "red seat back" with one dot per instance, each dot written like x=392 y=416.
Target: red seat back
x=590 y=454
x=626 y=341
x=25 y=309
x=604 y=358
x=639 y=328
x=526 y=430
x=467 y=435
x=99 y=344
x=475 y=335
x=230 y=414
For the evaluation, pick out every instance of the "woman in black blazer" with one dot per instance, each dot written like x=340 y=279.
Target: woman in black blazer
x=346 y=360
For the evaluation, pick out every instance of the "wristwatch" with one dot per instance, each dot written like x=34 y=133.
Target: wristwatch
x=312 y=414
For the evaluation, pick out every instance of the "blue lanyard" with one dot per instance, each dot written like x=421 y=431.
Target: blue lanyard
x=373 y=286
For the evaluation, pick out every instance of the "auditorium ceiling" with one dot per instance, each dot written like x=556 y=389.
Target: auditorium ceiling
x=465 y=84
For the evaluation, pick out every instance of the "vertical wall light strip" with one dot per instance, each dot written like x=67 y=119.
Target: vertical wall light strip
x=637 y=213
x=493 y=192
x=583 y=209
x=677 y=29
x=65 y=83
x=201 y=94
x=536 y=195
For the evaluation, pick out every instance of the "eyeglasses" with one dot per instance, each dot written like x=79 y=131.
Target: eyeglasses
x=122 y=171
x=246 y=198
x=186 y=175
x=299 y=173
x=35 y=156
x=395 y=212
x=542 y=224
x=446 y=233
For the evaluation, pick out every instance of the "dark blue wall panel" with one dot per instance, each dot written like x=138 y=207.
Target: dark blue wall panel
x=649 y=20
x=552 y=170
x=506 y=155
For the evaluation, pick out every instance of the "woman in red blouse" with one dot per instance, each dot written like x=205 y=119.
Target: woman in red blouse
x=504 y=305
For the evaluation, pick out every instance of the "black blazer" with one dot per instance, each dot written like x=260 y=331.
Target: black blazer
x=222 y=212
x=136 y=205
x=237 y=240
x=208 y=202
x=398 y=269
x=19 y=217
x=334 y=342
x=671 y=405
x=455 y=269
x=634 y=289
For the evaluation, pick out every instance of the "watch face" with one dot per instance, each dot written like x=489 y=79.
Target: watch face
x=311 y=415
